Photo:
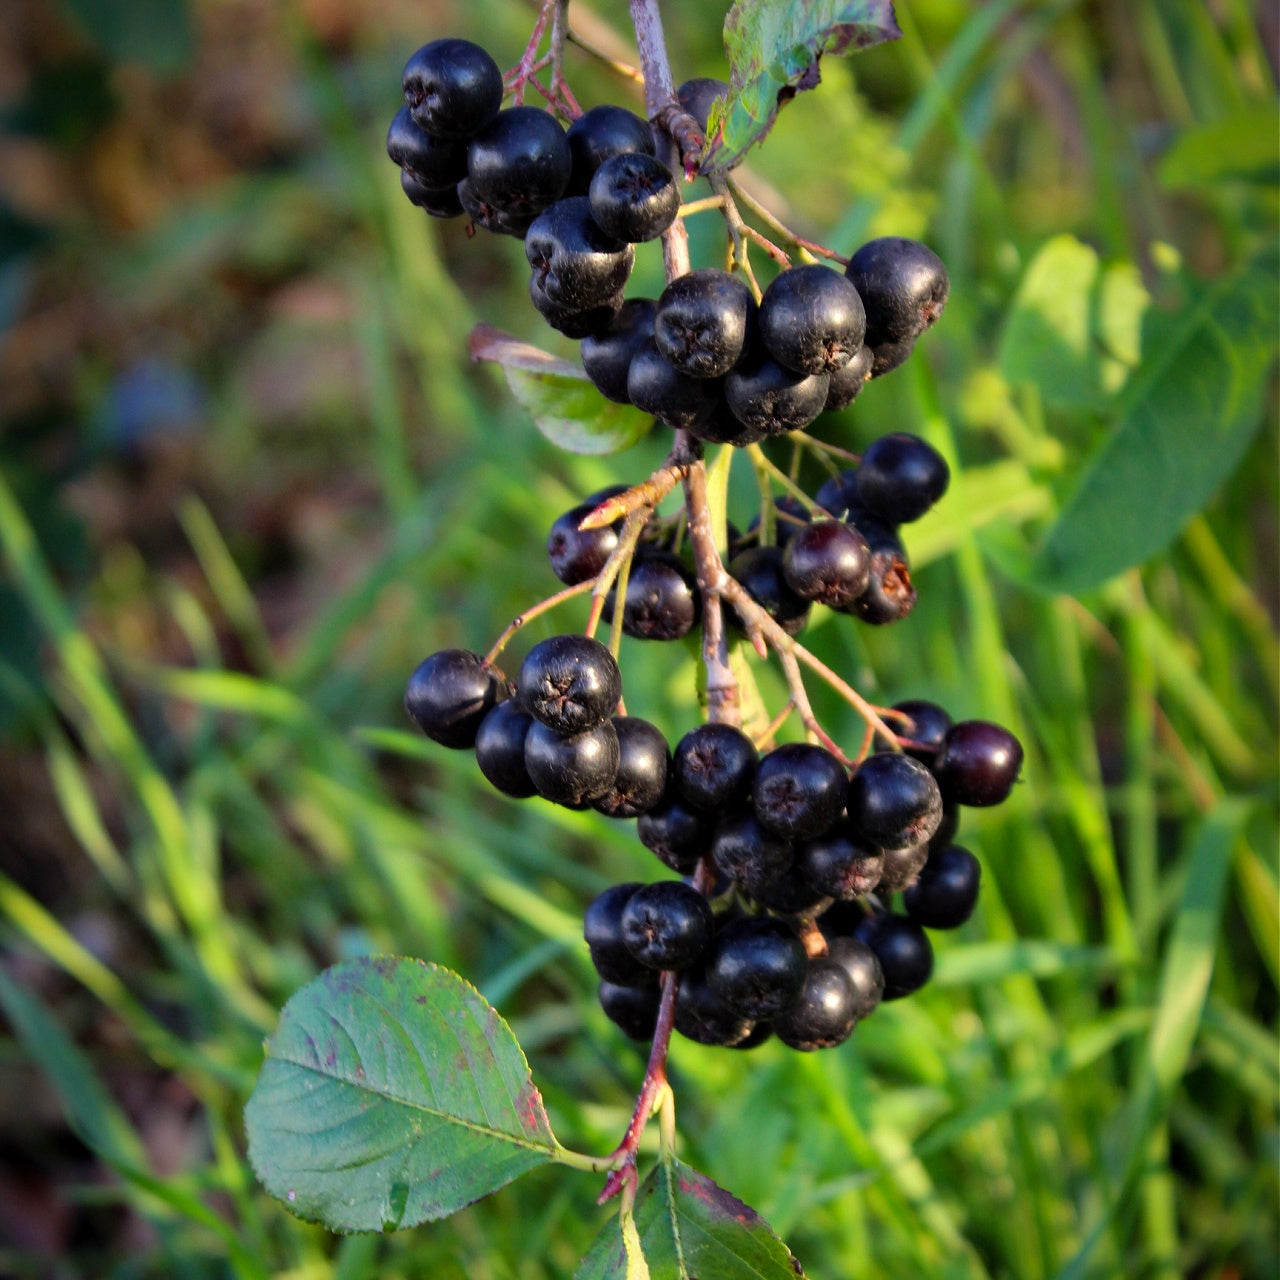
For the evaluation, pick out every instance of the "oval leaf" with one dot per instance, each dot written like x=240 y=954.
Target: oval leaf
x=564 y=403
x=773 y=48
x=689 y=1229
x=1186 y=418
x=392 y=1093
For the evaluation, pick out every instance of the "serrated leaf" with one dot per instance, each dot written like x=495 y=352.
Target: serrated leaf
x=1185 y=420
x=564 y=403
x=773 y=48
x=1074 y=327
x=392 y=1094
x=690 y=1229
x=1243 y=147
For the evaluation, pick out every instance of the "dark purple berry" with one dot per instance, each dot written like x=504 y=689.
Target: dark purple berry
x=713 y=767
x=901 y=477
x=846 y=384
x=928 y=726
x=571 y=322
x=500 y=749
x=697 y=96
x=749 y=854
x=757 y=966
x=789 y=895
x=578 y=554
x=839 y=864
x=702 y=321
x=702 y=1016
x=860 y=963
x=632 y=1009
x=643 y=760
x=439 y=204
x=602 y=928
x=570 y=683
x=503 y=222
x=667 y=925
x=656 y=386
x=634 y=197
x=829 y=562
x=449 y=694
x=520 y=161
x=903 y=286
x=759 y=570
x=838 y=495
x=600 y=133
x=769 y=398
x=572 y=770
x=799 y=790
x=811 y=319
x=888 y=356
x=894 y=801
x=677 y=834
x=902 y=866
x=452 y=87
x=947 y=891
x=790 y=518
x=890 y=595
x=978 y=764
x=435 y=162
x=825 y=1014
x=903 y=949
x=606 y=355
x=662 y=600
x=576 y=263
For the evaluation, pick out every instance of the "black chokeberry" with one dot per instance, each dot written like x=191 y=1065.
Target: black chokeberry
x=449 y=694
x=713 y=767
x=570 y=683
x=452 y=87
x=790 y=895
x=903 y=949
x=902 y=866
x=927 y=728
x=799 y=790
x=504 y=222
x=606 y=355
x=846 y=384
x=600 y=133
x=811 y=319
x=750 y=854
x=520 y=161
x=576 y=263
x=838 y=496
x=903 y=286
x=759 y=570
x=662 y=600
x=888 y=356
x=978 y=764
x=643 y=760
x=602 y=928
x=571 y=321
x=436 y=163
x=704 y=1017
x=634 y=1010
x=500 y=749
x=702 y=321
x=890 y=595
x=757 y=966
x=947 y=891
x=861 y=964
x=901 y=477
x=893 y=801
x=439 y=204
x=825 y=1014
x=769 y=398
x=696 y=97
x=839 y=863
x=656 y=386
x=667 y=925
x=572 y=770
x=577 y=554
x=828 y=562
x=678 y=835
x=634 y=197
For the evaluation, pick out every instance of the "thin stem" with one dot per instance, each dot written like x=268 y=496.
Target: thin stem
x=822 y=447
x=795 y=682
x=559 y=35
x=616 y=65
x=529 y=60
x=778 y=227
x=535 y=611
x=700 y=206
x=764 y=465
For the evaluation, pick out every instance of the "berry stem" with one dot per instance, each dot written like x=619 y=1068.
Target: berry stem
x=529 y=60
x=616 y=65
x=559 y=35
x=778 y=227
x=800 y=697
x=534 y=611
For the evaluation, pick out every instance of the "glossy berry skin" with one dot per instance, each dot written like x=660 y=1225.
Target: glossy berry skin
x=634 y=1010
x=721 y=427
x=903 y=286
x=928 y=727
x=860 y=963
x=606 y=356
x=799 y=790
x=436 y=163
x=838 y=496
x=901 y=477
x=766 y=397
x=890 y=595
x=893 y=801
x=643 y=760
x=846 y=384
x=902 y=866
x=602 y=928
x=978 y=764
x=439 y=204
x=656 y=386
x=571 y=321
x=825 y=1015
x=903 y=949
x=500 y=749
x=702 y=321
x=750 y=854
x=501 y=221
x=811 y=319
x=702 y=1016
x=579 y=554
x=600 y=133
x=449 y=694
x=759 y=570
x=676 y=834
x=570 y=683
x=947 y=891
x=520 y=161
x=634 y=197
x=828 y=562
x=839 y=864
x=662 y=600
x=713 y=767
x=452 y=87
x=888 y=356
x=572 y=770
x=667 y=925
x=576 y=263
x=757 y=966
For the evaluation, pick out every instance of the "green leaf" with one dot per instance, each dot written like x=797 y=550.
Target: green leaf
x=564 y=403
x=156 y=33
x=689 y=1229
x=1074 y=326
x=1243 y=146
x=1185 y=421
x=773 y=48
x=392 y=1093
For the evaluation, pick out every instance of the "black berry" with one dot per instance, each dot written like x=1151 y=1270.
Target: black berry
x=757 y=966
x=828 y=562
x=799 y=790
x=811 y=319
x=571 y=321
x=713 y=767
x=577 y=554
x=634 y=197
x=634 y=1010
x=602 y=928
x=601 y=132
x=449 y=694
x=901 y=477
x=839 y=864
x=825 y=1014
x=890 y=595
x=662 y=600
x=643 y=759
x=928 y=727
x=902 y=866
x=978 y=764
x=606 y=355
x=947 y=891
x=436 y=163
x=570 y=683
x=656 y=386
x=769 y=398
x=703 y=1016
x=439 y=204
x=572 y=770
x=860 y=963
x=846 y=384
x=452 y=87
x=903 y=949
x=677 y=834
x=500 y=749
x=667 y=925
x=903 y=285
x=520 y=161
x=576 y=263
x=702 y=320
x=894 y=801
x=759 y=570
x=749 y=854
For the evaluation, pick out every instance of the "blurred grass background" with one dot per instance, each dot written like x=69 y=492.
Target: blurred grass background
x=248 y=480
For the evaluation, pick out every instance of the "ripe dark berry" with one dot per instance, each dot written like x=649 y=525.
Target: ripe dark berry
x=602 y=928
x=860 y=963
x=662 y=600
x=928 y=727
x=656 y=386
x=576 y=263
x=606 y=356
x=902 y=866
x=449 y=694
x=846 y=384
x=901 y=477
x=890 y=595
x=503 y=222
x=439 y=204
x=829 y=562
x=520 y=161
x=721 y=427
x=749 y=854
x=702 y=1016
x=643 y=760
x=667 y=925
x=570 y=321
x=579 y=554
x=633 y=1009
x=789 y=895
x=452 y=87
x=677 y=834
x=696 y=97
x=888 y=356
x=500 y=749
x=799 y=790
x=824 y=1016
x=757 y=966
x=811 y=319
x=435 y=162
x=766 y=397
x=978 y=764
x=570 y=683
x=903 y=949
x=839 y=864
x=838 y=496
x=947 y=891
x=572 y=770
x=894 y=801
x=702 y=321
x=759 y=570
x=903 y=285
x=601 y=132
x=713 y=767
x=634 y=197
